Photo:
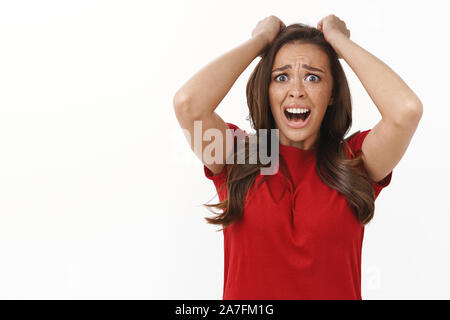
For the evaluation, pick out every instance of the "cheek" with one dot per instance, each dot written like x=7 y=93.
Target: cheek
x=275 y=95
x=319 y=94
x=274 y=101
x=272 y=97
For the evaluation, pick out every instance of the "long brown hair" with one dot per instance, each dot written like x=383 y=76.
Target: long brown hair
x=332 y=164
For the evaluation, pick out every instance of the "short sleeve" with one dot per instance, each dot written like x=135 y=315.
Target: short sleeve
x=221 y=177
x=355 y=142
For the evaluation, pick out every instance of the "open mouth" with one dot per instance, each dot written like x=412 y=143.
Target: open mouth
x=297 y=115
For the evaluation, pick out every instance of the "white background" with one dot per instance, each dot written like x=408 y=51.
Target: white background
x=100 y=195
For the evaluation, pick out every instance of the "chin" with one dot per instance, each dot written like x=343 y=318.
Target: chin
x=299 y=135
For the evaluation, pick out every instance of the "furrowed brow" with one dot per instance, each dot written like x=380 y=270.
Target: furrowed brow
x=306 y=66
x=288 y=66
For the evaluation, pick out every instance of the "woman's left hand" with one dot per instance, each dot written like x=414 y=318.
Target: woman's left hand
x=331 y=25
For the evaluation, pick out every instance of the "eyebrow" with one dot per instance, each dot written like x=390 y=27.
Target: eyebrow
x=306 y=66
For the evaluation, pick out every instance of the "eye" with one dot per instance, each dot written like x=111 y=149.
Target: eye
x=316 y=77
x=280 y=75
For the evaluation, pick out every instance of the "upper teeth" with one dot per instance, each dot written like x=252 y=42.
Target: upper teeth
x=297 y=110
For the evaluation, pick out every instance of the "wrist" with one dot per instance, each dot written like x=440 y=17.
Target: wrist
x=334 y=36
x=260 y=41
x=337 y=39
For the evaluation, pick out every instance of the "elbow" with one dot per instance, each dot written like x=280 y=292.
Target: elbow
x=412 y=114
x=184 y=107
x=415 y=110
x=180 y=102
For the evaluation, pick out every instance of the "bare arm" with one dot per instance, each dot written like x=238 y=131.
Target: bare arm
x=391 y=95
x=400 y=108
x=207 y=88
x=199 y=96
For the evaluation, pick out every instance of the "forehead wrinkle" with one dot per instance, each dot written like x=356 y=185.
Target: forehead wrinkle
x=296 y=66
x=295 y=54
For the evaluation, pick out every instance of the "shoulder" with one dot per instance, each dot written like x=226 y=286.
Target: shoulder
x=238 y=131
x=353 y=149
x=221 y=177
x=353 y=143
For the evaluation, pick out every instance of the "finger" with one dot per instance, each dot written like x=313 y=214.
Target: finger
x=320 y=25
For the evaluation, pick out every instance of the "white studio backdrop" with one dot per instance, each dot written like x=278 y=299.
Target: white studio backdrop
x=100 y=194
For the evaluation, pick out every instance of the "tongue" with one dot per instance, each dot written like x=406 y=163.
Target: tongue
x=299 y=117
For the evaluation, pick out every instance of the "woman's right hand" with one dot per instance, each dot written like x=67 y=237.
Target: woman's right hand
x=268 y=28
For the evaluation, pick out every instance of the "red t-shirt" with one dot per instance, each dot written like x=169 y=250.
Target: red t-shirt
x=302 y=244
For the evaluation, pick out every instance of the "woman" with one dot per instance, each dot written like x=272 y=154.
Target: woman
x=305 y=243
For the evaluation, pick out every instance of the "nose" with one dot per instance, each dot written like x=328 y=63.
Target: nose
x=297 y=89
